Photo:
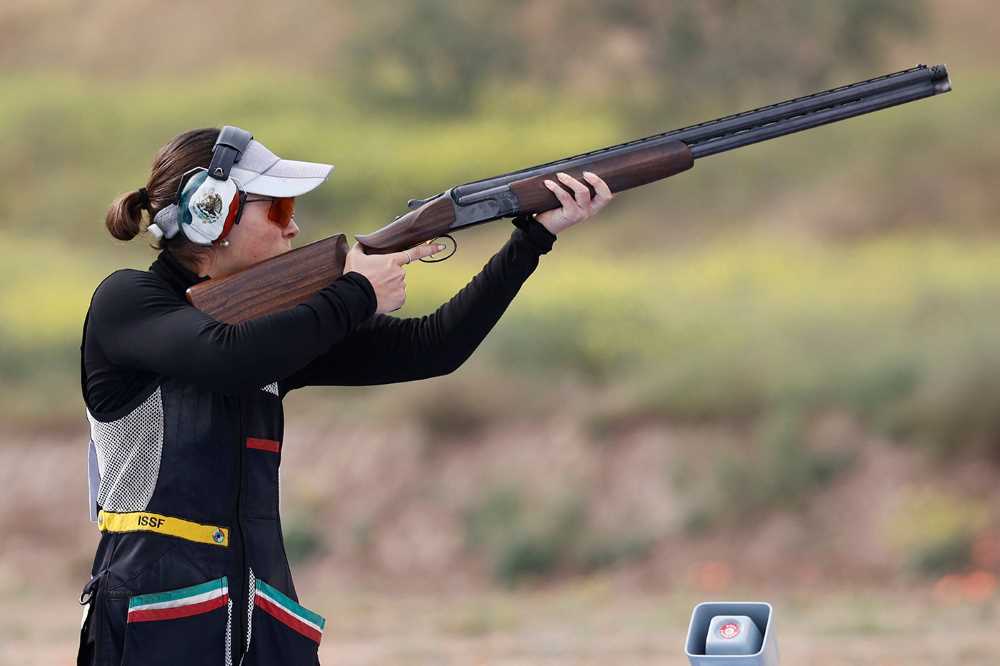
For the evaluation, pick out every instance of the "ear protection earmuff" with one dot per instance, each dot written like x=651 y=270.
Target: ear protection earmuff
x=209 y=201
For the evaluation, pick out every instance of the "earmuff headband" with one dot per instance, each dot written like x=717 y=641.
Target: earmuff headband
x=228 y=149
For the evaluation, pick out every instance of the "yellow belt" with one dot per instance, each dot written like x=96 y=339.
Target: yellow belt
x=154 y=522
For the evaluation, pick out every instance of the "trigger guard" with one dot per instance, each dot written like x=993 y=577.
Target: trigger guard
x=454 y=249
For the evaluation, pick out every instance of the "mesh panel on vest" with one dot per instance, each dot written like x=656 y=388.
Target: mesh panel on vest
x=271 y=388
x=253 y=598
x=128 y=455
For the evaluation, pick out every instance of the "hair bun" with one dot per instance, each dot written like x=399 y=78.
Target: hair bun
x=124 y=216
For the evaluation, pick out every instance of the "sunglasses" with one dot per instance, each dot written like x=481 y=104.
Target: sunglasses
x=281 y=211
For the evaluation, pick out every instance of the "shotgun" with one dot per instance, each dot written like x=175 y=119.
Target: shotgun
x=288 y=279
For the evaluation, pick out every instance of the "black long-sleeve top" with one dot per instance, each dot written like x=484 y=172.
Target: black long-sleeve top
x=140 y=326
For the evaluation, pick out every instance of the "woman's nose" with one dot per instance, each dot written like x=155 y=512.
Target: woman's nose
x=292 y=230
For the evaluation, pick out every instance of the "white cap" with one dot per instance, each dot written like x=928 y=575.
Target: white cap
x=259 y=171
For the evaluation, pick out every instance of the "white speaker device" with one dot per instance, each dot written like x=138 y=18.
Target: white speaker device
x=736 y=633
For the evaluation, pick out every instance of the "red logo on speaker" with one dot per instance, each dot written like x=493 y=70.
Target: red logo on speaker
x=729 y=630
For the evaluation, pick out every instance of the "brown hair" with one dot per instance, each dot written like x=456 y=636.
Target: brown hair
x=185 y=152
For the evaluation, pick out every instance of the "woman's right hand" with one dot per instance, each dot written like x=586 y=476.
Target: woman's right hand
x=386 y=273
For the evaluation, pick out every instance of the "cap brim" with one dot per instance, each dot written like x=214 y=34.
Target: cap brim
x=260 y=171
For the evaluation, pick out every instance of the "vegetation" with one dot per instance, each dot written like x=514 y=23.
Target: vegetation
x=933 y=531
x=853 y=268
x=522 y=540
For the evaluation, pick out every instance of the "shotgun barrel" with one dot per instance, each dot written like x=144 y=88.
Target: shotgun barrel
x=767 y=122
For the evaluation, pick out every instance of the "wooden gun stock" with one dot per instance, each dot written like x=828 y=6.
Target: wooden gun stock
x=430 y=220
x=272 y=285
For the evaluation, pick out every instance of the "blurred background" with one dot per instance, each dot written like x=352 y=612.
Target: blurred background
x=774 y=377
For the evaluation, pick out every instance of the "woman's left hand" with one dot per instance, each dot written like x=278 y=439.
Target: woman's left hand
x=575 y=208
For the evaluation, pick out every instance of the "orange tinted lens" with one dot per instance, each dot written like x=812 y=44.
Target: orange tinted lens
x=281 y=211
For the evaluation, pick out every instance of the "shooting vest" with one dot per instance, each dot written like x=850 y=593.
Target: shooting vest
x=191 y=567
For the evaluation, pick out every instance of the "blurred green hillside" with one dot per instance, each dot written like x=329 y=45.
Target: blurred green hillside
x=853 y=265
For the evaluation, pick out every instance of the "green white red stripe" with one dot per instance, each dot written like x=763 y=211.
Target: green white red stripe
x=184 y=602
x=289 y=613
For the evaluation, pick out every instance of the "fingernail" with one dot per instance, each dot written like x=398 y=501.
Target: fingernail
x=589 y=173
x=562 y=173
x=550 y=183
x=439 y=248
